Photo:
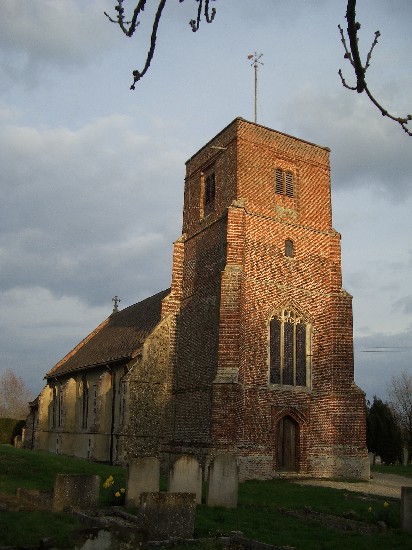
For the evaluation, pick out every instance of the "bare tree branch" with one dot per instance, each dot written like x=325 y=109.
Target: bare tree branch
x=129 y=27
x=353 y=55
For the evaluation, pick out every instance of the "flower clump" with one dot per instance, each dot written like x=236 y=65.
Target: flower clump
x=381 y=514
x=117 y=494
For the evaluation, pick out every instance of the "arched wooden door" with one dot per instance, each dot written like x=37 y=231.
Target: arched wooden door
x=287 y=445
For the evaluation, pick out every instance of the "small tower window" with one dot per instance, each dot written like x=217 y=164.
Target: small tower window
x=279 y=181
x=289 y=184
x=289 y=249
x=210 y=188
x=209 y=192
x=284 y=183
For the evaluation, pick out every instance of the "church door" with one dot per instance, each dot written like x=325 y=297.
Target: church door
x=287 y=445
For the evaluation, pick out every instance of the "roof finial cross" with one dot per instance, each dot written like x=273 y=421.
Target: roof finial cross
x=116 y=301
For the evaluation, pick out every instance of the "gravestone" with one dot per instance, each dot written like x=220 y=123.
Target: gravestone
x=143 y=477
x=80 y=491
x=110 y=538
x=406 y=509
x=167 y=515
x=223 y=481
x=185 y=476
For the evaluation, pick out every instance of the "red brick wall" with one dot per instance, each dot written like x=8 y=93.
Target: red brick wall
x=233 y=277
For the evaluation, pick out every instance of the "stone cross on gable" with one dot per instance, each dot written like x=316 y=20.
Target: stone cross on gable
x=116 y=301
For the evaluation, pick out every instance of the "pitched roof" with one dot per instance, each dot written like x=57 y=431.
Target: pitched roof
x=117 y=338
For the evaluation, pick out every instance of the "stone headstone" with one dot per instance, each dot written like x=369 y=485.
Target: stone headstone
x=143 y=477
x=185 y=476
x=406 y=509
x=109 y=538
x=80 y=491
x=223 y=481
x=168 y=515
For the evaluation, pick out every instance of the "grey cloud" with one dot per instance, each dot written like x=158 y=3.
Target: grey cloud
x=380 y=356
x=35 y=36
x=366 y=149
x=80 y=218
x=404 y=304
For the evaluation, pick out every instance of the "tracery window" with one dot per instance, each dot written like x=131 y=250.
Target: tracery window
x=284 y=184
x=289 y=349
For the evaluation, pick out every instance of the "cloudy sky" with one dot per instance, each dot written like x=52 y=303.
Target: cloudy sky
x=92 y=173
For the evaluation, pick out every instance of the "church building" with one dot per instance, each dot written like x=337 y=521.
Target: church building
x=250 y=351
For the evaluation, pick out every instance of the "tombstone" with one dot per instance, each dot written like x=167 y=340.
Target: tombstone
x=223 y=481
x=185 y=476
x=168 y=515
x=143 y=477
x=112 y=537
x=81 y=491
x=406 y=509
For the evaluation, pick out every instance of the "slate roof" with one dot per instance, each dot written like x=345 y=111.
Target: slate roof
x=116 y=339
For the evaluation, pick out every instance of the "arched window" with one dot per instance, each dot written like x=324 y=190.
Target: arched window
x=61 y=406
x=54 y=406
x=289 y=349
x=84 y=395
x=289 y=248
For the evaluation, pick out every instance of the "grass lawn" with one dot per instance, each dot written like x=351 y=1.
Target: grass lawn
x=258 y=514
x=397 y=469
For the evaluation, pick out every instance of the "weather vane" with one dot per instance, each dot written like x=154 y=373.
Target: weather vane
x=256 y=57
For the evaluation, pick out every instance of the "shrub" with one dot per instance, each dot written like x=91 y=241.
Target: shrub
x=8 y=427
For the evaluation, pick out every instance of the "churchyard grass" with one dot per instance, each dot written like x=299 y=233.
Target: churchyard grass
x=396 y=469
x=259 y=514
x=37 y=470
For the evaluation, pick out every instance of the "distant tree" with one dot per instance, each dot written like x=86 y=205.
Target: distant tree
x=352 y=53
x=383 y=434
x=14 y=396
x=400 y=397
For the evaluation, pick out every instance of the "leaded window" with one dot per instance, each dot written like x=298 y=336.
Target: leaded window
x=289 y=345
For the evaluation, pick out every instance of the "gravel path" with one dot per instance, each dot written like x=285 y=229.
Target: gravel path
x=385 y=485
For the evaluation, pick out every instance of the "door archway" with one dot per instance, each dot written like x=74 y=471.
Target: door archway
x=287 y=445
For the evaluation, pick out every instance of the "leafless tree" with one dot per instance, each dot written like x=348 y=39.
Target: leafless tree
x=351 y=53
x=400 y=398
x=14 y=396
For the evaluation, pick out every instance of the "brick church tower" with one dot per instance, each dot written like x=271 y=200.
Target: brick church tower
x=264 y=346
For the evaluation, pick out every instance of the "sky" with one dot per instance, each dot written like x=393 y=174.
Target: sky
x=92 y=173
